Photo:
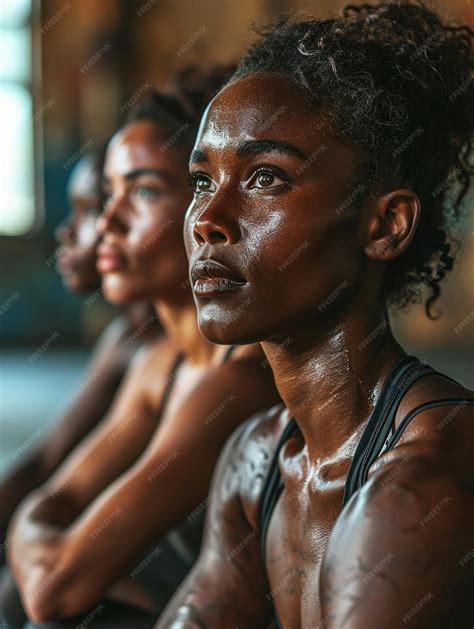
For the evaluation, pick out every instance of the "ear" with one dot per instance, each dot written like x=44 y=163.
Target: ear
x=392 y=222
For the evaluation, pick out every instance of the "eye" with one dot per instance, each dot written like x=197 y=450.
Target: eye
x=202 y=183
x=268 y=178
x=147 y=193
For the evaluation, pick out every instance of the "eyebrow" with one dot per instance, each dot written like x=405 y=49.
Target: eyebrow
x=198 y=156
x=255 y=147
x=138 y=172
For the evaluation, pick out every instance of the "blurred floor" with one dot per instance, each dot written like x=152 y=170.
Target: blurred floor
x=31 y=392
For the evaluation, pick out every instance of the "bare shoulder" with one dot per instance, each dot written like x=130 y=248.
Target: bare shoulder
x=401 y=550
x=245 y=359
x=250 y=353
x=154 y=359
x=121 y=338
x=116 y=330
x=429 y=467
x=254 y=450
x=232 y=391
x=438 y=414
x=228 y=585
x=246 y=368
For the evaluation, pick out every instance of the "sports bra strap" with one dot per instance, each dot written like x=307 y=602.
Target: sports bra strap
x=228 y=352
x=456 y=402
x=171 y=378
x=273 y=485
x=376 y=433
x=402 y=376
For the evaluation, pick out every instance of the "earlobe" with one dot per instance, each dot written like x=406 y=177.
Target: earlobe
x=392 y=224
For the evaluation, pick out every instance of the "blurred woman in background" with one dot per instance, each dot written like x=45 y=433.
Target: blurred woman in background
x=147 y=467
x=76 y=261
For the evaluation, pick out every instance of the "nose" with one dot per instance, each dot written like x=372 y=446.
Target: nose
x=64 y=232
x=111 y=219
x=213 y=226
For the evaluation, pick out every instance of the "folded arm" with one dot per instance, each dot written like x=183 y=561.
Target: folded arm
x=109 y=530
x=227 y=586
x=84 y=411
x=39 y=535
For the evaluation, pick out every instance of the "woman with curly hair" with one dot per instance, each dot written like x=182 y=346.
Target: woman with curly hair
x=327 y=175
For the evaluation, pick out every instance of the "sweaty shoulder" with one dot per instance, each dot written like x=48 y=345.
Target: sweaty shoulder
x=118 y=343
x=255 y=447
x=402 y=538
x=240 y=381
x=436 y=420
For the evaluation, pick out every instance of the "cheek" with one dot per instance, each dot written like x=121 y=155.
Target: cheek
x=188 y=230
x=87 y=236
x=156 y=249
x=302 y=259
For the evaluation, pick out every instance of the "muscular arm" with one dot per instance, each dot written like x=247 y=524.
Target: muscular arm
x=399 y=553
x=227 y=587
x=87 y=407
x=169 y=479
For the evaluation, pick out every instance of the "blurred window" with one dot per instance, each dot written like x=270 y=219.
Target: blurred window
x=17 y=121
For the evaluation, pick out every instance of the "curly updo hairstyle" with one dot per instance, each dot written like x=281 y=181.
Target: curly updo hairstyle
x=397 y=83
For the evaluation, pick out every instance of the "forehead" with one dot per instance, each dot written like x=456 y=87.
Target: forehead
x=138 y=145
x=85 y=179
x=262 y=105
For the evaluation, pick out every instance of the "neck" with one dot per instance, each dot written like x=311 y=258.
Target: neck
x=179 y=321
x=330 y=373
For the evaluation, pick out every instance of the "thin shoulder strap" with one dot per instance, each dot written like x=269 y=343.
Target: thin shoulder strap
x=403 y=375
x=456 y=402
x=273 y=485
x=228 y=352
x=171 y=378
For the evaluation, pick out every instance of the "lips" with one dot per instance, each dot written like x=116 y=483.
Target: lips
x=110 y=259
x=210 y=277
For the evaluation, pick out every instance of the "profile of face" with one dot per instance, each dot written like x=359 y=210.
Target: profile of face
x=77 y=235
x=272 y=236
x=142 y=255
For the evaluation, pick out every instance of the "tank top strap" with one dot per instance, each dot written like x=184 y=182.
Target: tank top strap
x=228 y=352
x=273 y=485
x=456 y=403
x=403 y=375
x=171 y=378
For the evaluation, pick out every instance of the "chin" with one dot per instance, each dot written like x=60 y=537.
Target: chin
x=114 y=291
x=224 y=332
x=118 y=297
x=75 y=284
x=120 y=292
x=242 y=326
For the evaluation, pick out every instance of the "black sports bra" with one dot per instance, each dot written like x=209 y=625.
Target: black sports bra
x=375 y=439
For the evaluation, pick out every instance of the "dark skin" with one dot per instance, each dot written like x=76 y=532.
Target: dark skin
x=253 y=208
x=148 y=465
x=77 y=256
x=77 y=234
